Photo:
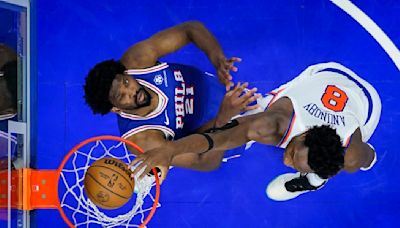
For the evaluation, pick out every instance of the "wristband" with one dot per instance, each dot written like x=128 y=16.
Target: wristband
x=209 y=140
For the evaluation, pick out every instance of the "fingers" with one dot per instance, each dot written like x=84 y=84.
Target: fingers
x=145 y=172
x=252 y=98
x=249 y=96
x=234 y=60
x=136 y=161
x=164 y=172
x=252 y=107
x=140 y=166
x=232 y=92
x=243 y=100
x=246 y=98
x=239 y=88
x=230 y=63
x=223 y=71
x=229 y=85
x=139 y=169
x=225 y=79
x=229 y=66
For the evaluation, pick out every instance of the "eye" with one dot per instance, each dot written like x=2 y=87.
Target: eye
x=126 y=81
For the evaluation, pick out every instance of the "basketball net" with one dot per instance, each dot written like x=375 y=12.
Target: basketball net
x=80 y=210
x=63 y=189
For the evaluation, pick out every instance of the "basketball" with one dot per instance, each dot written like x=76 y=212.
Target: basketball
x=108 y=183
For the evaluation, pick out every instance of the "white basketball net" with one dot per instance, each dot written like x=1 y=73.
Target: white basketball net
x=84 y=213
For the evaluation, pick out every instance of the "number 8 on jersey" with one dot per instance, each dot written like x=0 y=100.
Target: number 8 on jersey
x=334 y=98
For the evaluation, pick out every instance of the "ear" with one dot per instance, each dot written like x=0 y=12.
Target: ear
x=303 y=136
x=115 y=110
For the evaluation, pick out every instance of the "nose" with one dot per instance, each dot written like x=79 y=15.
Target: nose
x=128 y=92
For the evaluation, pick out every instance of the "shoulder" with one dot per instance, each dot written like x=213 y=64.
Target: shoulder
x=140 y=55
x=356 y=153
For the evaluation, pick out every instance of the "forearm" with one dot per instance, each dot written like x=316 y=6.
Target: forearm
x=223 y=140
x=210 y=161
x=145 y=53
x=214 y=123
x=204 y=40
x=219 y=124
x=201 y=162
x=206 y=126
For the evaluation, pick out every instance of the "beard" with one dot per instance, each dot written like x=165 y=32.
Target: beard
x=146 y=100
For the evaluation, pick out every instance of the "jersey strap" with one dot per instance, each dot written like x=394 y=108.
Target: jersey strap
x=147 y=70
x=289 y=130
x=169 y=133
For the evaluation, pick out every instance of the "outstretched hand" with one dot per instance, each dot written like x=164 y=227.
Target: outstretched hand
x=223 y=67
x=235 y=102
x=159 y=157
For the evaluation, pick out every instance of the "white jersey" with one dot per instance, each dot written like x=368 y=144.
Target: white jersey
x=329 y=94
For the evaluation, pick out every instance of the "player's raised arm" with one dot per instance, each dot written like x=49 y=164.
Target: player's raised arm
x=147 y=52
x=263 y=128
x=161 y=157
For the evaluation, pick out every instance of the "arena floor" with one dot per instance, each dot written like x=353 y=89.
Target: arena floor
x=276 y=40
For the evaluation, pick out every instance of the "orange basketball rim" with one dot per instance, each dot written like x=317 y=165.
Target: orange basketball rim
x=38 y=189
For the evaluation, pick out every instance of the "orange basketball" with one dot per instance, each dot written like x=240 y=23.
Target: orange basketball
x=108 y=183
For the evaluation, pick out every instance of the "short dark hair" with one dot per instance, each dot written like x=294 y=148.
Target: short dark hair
x=10 y=75
x=98 y=84
x=326 y=153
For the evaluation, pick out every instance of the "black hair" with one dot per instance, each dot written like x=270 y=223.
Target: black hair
x=98 y=84
x=10 y=75
x=325 y=154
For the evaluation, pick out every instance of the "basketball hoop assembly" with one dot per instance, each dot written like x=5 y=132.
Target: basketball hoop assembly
x=63 y=189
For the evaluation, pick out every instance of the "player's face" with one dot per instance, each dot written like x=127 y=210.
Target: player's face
x=127 y=94
x=296 y=155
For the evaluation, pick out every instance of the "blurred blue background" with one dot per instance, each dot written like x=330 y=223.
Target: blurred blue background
x=276 y=40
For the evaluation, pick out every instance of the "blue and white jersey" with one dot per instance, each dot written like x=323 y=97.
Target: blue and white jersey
x=4 y=135
x=187 y=99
